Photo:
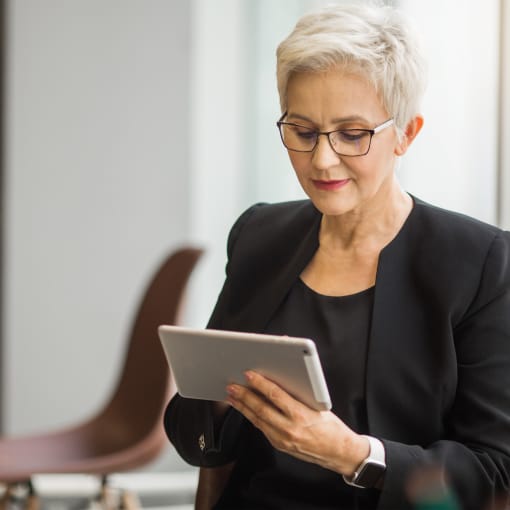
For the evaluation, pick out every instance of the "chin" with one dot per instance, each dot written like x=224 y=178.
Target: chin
x=330 y=210
x=333 y=206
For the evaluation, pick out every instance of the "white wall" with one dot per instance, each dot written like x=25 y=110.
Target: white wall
x=215 y=140
x=97 y=182
x=505 y=117
x=454 y=160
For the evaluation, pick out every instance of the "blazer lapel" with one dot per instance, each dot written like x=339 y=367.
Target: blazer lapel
x=384 y=346
x=400 y=365
x=269 y=293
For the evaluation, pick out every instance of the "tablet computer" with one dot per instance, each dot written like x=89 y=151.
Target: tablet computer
x=204 y=361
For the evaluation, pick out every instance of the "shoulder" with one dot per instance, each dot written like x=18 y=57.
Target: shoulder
x=454 y=231
x=283 y=213
x=460 y=254
x=451 y=221
x=267 y=247
x=265 y=223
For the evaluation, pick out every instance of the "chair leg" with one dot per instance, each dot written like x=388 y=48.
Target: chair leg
x=106 y=499
x=6 y=497
x=129 y=501
x=32 y=502
x=110 y=498
x=27 y=500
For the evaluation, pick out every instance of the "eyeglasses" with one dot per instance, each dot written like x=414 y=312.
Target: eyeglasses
x=345 y=142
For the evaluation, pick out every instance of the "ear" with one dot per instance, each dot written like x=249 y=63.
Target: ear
x=412 y=129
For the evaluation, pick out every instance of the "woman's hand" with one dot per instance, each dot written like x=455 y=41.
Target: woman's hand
x=294 y=428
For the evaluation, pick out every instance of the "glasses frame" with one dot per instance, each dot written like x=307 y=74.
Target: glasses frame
x=371 y=132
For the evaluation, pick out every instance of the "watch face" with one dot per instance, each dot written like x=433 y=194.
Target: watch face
x=369 y=474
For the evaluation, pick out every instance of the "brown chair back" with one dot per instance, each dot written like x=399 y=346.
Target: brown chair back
x=145 y=382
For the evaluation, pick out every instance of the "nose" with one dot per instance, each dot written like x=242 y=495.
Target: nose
x=324 y=156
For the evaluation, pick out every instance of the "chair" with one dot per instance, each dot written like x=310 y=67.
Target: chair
x=128 y=431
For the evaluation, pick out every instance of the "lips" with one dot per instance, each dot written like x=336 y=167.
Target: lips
x=330 y=185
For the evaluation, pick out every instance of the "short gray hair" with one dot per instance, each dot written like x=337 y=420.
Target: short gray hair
x=372 y=40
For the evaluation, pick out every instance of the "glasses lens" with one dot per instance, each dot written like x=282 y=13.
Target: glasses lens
x=346 y=142
x=350 y=142
x=298 y=138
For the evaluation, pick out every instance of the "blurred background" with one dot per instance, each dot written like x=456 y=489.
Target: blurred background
x=130 y=127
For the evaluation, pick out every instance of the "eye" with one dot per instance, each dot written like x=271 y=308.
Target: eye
x=304 y=133
x=351 y=135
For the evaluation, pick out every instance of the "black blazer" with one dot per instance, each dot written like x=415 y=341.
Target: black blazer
x=438 y=369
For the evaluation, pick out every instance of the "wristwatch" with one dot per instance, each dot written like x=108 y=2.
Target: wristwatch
x=369 y=472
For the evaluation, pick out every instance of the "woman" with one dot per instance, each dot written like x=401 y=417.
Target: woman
x=409 y=304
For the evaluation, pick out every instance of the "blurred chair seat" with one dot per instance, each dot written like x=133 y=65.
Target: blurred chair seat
x=127 y=432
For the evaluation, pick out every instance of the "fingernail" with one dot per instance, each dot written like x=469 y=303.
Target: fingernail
x=232 y=390
x=248 y=375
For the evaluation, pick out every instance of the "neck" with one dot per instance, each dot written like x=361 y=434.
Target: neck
x=375 y=222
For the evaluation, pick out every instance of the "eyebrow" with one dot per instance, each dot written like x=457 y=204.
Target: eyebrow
x=339 y=120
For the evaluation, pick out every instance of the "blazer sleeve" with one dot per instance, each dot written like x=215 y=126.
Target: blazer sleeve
x=189 y=423
x=475 y=455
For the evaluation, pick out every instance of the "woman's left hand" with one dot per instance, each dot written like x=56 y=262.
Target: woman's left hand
x=294 y=428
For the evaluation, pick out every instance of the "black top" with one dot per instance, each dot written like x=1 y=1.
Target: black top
x=266 y=478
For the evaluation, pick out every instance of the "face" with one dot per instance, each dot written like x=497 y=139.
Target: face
x=338 y=100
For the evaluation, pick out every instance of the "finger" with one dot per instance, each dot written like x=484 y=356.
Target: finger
x=273 y=393
x=256 y=408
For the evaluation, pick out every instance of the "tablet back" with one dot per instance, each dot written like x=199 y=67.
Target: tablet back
x=204 y=362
